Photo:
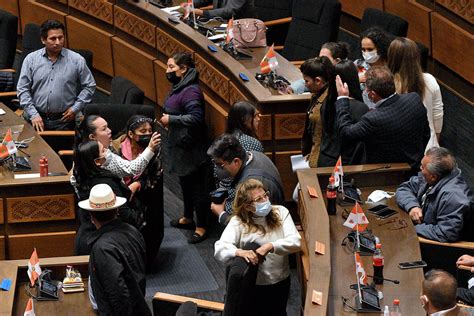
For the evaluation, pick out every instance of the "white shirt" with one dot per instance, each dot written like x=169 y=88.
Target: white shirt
x=122 y=167
x=285 y=240
x=444 y=312
x=434 y=107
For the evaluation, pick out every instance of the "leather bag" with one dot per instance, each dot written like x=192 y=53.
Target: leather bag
x=249 y=33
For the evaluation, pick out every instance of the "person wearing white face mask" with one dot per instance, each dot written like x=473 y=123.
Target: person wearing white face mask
x=256 y=220
x=374 y=46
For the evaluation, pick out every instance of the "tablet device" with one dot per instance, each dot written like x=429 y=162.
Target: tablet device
x=377 y=208
x=385 y=213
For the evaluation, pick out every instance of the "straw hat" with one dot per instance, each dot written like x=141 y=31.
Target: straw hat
x=102 y=198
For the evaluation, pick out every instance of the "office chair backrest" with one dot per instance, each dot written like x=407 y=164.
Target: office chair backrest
x=88 y=56
x=117 y=115
x=268 y=10
x=125 y=92
x=313 y=24
x=393 y=24
x=424 y=53
x=31 y=42
x=8 y=37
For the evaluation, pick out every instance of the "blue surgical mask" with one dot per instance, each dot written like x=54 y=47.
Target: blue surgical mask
x=263 y=209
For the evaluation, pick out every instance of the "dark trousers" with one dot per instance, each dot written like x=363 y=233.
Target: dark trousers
x=272 y=299
x=195 y=188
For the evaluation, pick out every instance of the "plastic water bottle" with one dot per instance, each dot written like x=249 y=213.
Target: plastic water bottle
x=396 y=311
x=331 y=195
x=386 y=311
x=378 y=263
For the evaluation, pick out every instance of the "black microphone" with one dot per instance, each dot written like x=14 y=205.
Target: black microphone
x=389 y=280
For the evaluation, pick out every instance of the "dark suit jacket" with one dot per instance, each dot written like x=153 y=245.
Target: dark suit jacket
x=396 y=131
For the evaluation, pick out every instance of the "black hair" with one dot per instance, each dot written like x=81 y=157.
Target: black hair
x=380 y=80
x=226 y=147
x=85 y=128
x=380 y=38
x=50 y=25
x=84 y=165
x=135 y=121
x=239 y=114
x=348 y=73
x=339 y=50
x=323 y=67
x=183 y=59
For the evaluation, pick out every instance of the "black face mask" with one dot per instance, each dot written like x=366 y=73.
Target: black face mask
x=143 y=140
x=171 y=76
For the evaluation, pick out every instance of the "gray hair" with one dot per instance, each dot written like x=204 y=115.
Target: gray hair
x=442 y=161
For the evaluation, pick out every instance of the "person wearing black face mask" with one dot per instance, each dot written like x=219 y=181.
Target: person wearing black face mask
x=186 y=146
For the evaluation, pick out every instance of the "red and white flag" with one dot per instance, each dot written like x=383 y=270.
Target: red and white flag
x=29 y=310
x=189 y=9
x=230 y=31
x=34 y=269
x=338 y=172
x=7 y=147
x=360 y=271
x=269 y=61
x=357 y=219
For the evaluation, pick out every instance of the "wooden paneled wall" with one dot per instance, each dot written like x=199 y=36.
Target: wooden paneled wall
x=449 y=42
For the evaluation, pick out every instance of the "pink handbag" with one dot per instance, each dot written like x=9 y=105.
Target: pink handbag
x=249 y=33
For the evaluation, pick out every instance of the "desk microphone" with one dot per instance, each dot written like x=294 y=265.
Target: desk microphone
x=389 y=280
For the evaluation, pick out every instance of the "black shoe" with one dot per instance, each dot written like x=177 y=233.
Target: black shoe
x=177 y=224
x=196 y=238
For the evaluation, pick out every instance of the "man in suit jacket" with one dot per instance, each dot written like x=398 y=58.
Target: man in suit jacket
x=397 y=130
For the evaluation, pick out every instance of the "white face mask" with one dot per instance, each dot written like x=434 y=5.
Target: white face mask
x=371 y=57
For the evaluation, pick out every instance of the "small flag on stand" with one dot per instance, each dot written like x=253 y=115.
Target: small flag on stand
x=269 y=61
x=338 y=172
x=357 y=219
x=360 y=271
x=34 y=269
x=230 y=31
x=7 y=147
x=29 y=310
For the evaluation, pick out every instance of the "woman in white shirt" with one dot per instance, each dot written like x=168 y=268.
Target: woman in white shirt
x=404 y=62
x=256 y=220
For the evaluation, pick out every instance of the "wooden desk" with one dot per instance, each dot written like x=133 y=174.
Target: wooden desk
x=334 y=272
x=35 y=212
x=14 y=301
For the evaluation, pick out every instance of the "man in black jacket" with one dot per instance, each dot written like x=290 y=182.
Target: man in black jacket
x=397 y=130
x=231 y=160
x=117 y=260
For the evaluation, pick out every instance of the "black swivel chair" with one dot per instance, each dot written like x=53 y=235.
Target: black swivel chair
x=277 y=17
x=313 y=24
x=8 y=37
x=125 y=92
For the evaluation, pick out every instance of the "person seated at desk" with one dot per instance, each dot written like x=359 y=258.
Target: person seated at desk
x=467 y=295
x=438 y=199
x=55 y=82
x=225 y=9
x=259 y=221
x=397 y=130
x=117 y=260
x=438 y=296
x=231 y=160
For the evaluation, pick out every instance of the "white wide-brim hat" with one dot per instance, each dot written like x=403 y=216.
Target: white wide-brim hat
x=102 y=198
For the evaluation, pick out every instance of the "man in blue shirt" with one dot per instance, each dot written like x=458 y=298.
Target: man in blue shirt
x=55 y=83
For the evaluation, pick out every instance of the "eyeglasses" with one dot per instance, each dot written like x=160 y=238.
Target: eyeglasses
x=100 y=160
x=219 y=164
x=261 y=198
x=396 y=223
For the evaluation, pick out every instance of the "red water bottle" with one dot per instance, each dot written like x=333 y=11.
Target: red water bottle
x=378 y=262
x=43 y=166
x=331 y=195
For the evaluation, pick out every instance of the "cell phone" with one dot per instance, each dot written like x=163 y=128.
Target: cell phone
x=385 y=213
x=412 y=264
x=377 y=208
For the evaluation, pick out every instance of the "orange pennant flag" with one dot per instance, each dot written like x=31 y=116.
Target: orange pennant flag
x=34 y=269
x=269 y=61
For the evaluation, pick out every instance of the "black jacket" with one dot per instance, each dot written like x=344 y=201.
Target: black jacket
x=226 y=9
x=117 y=269
x=396 y=131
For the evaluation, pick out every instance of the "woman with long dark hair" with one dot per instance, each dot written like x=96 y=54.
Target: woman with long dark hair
x=242 y=122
